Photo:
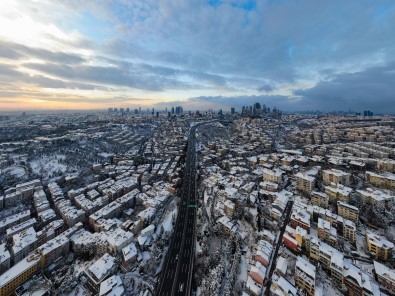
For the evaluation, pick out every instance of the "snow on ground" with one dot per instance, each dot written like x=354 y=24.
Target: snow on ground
x=314 y=231
x=48 y=165
x=361 y=245
x=80 y=266
x=329 y=289
x=79 y=291
x=105 y=154
x=206 y=197
x=244 y=259
x=135 y=284
x=16 y=171
x=198 y=248
x=391 y=230
x=167 y=221
x=146 y=256
x=367 y=267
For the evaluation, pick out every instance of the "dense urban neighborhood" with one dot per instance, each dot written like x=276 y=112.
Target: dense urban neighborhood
x=238 y=202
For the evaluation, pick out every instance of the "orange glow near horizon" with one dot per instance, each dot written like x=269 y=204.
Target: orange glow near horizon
x=9 y=104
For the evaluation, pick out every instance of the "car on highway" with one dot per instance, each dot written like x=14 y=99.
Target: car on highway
x=181 y=289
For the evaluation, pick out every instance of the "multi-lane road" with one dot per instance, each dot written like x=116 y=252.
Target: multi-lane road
x=177 y=271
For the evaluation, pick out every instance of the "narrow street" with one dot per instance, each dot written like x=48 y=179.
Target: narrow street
x=272 y=266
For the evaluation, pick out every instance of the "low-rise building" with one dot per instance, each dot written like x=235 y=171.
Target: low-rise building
x=257 y=273
x=252 y=287
x=281 y=266
x=379 y=246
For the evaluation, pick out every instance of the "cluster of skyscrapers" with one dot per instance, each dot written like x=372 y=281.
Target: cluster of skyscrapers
x=257 y=109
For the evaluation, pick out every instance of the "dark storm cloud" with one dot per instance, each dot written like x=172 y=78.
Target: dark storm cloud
x=271 y=40
x=371 y=89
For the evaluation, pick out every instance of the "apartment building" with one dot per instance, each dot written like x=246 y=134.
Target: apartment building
x=378 y=245
x=385 y=276
x=358 y=282
x=335 y=176
x=21 y=226
x=24 y=242
x=305 y=182
x=99 y=271
x=300 y=218
x=338 y=192
x=329 y=257
x=229 y=208
x=376 y=197
x=291 y=239
x=348 y=211
x=344 y=227
x=112 y=287
x=14 y=220
x=117 y=240
x=320 y=199
x=349 y=231
x=274 y=176
x=305 y=276
x=386 y=165
x=129 y=257
x=5 y=259
x=383 y=180
x=326 y=232
x=19 y=274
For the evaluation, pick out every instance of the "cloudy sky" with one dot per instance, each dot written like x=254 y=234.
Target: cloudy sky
x=293 y=54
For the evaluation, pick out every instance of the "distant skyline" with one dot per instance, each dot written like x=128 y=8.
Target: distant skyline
x=295 y=55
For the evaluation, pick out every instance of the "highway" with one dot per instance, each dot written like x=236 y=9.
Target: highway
x=177 y=271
